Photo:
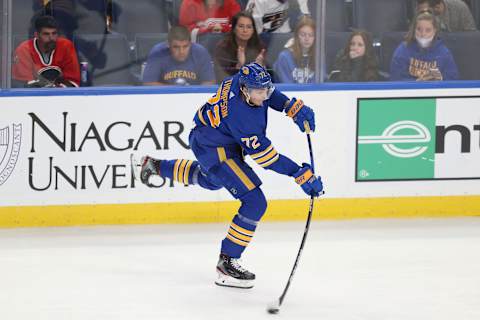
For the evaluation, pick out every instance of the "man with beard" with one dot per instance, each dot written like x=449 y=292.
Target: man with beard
x=47 y=60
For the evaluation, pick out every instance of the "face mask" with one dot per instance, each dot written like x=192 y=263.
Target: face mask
x=424 y=42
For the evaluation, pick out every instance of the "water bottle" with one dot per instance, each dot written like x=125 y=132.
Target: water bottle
x=84 y=73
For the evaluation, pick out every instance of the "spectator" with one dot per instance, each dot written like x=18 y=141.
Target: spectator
x=240 y=46
x=423 y=56
x=296 y=64
x=178 y=61
x=273 y=15
x=454 y=15
x=202 y=16
x=46 y=60
x=356 y=62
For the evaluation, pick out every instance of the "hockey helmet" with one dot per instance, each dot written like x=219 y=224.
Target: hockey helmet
x=254 y=76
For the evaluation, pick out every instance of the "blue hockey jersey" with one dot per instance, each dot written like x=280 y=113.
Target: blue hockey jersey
x=227 y=120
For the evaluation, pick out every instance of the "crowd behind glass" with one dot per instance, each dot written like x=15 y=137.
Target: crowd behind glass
x=70 y=43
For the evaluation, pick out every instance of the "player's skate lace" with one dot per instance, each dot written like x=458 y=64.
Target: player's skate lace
x=236 y=264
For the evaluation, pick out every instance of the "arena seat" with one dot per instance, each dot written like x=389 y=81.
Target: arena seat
x=389 y=43
x=465 y=47
x=336 y=16
x=140 y=16
x=379 y=16
x=334 y=42
x=116 y=70
x=144 y=42
x=275 y=43
x=91 y=17
x=210 y=41
x=22 y=14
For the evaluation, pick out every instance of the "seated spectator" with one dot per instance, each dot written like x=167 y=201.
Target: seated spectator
x=454 y=15
x=47 y=60
x=356 y=62
x=241 y=46
x=178 y=61
x=202 y=16
x=296 y=64
x=423 y=56
x=274 y=15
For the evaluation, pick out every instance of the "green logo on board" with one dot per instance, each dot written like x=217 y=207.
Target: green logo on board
x=395 y=139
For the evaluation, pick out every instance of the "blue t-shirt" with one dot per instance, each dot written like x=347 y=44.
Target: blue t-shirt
x=161 y=67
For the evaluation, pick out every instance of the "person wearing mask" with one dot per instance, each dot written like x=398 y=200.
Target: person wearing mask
x=356 y=62
x=423 y=56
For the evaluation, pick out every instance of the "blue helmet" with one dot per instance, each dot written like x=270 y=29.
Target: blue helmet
x=254 y=76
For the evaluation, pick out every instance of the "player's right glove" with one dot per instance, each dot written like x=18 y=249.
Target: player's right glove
x=310 y=184
x=300 y=113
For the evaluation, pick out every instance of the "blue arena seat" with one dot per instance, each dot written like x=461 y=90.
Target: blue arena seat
x=144 y=42
x=275 y=43
x=334 y=42
x=336 y=16
x=116 y=69
x=91 y=16
x=22 y=14
x=379 y=16
x=210 y=41
x=142 y=16
x=389 y=43
x=465 y=47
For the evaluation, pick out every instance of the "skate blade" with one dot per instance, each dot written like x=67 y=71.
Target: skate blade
x=226 y=281
x=135 y=167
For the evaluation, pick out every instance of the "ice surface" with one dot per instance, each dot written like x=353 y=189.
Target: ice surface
x=361 y=269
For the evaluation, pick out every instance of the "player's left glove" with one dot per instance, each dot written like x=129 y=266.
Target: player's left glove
x=300 y=113
x=310 y=184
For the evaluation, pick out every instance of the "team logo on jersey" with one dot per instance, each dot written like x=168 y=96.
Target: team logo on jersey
x=10 y=142
x=245 y=71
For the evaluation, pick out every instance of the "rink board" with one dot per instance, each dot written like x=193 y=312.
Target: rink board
x=386 y=153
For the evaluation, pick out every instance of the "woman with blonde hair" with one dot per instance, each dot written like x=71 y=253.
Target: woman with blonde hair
x=423 y=56
x=296 y=64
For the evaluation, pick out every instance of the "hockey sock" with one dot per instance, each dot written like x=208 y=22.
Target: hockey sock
x=180 y=170
x=244 y=223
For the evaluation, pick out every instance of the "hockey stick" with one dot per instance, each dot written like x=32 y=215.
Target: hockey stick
x=135 y=167
x=274 y=307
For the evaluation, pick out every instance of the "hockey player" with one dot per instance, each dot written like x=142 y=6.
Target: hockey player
x=231 y=123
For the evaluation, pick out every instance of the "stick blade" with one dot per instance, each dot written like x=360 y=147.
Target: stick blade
x=135 y=167
x=274 y=307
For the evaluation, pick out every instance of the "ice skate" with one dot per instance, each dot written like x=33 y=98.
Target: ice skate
x=232 y=274
x=149 y=167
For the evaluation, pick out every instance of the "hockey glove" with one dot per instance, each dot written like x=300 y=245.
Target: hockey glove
x=310 y=184
x=300 y=113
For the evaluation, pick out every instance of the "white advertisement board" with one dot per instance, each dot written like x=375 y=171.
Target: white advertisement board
x=62 y=150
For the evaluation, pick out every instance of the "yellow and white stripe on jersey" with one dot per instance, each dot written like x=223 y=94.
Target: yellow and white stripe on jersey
x=181 y=170
x=266 y=157
x=239 y=235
